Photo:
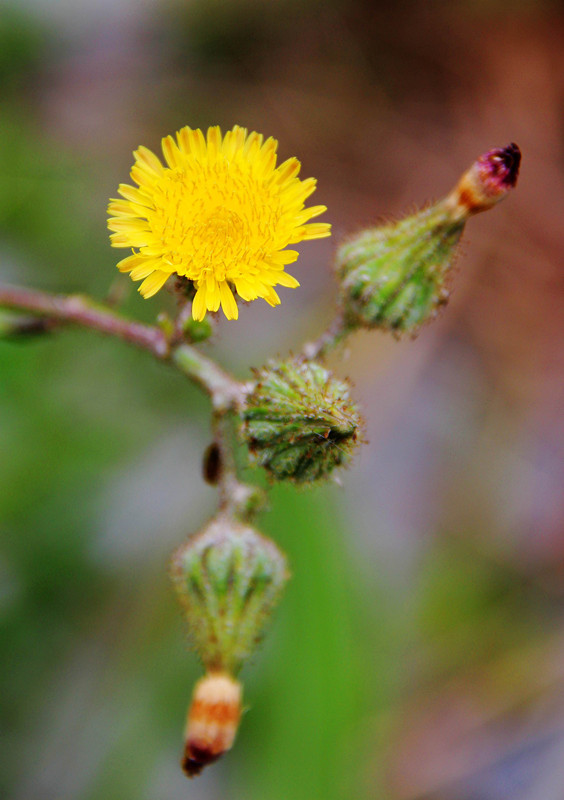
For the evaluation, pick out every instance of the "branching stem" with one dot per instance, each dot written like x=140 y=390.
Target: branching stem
x=225 y=391
x=80 y=310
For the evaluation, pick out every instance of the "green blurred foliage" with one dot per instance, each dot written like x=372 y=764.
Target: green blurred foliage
x=21 y=49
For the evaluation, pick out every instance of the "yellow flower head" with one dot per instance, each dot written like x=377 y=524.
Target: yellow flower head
x=220 y=213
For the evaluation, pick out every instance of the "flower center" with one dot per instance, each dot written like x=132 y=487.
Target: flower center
x=221 y=223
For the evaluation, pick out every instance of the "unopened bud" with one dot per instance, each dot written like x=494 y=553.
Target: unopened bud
x=300 y=422
x=212 y=722
x=488 y=181
x=197 y=330
x=395 y=276
x=229 y=578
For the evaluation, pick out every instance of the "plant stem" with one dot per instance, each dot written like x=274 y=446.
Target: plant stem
x=236 y=499
x=330 y=338
x=80 y=310
x=223 y=437
x=224 y=390
x=16 y=326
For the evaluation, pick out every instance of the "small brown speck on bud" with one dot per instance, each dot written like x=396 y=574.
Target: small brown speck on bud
x=213 y=719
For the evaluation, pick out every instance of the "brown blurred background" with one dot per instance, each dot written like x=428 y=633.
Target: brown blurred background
x=420 y=650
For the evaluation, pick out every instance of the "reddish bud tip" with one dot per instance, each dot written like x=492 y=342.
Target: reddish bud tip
x=487 y=182
x=500 y=167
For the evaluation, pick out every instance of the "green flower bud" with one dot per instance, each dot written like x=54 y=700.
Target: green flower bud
x=197 y=330
x=396 y=276
x=229 y=578
x=299 y=421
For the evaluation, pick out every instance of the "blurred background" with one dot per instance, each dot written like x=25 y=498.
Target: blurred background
x=419 y=651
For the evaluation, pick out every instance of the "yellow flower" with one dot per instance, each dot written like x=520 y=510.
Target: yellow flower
x=221 y=214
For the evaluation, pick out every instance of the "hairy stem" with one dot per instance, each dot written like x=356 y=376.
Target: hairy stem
x=224 y=390
x=223 y=437
x=236 y=499
x=80 y=310
x=330 y=338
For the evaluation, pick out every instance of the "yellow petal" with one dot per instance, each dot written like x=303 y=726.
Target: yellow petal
x=127 y=225
x=120 y=240
x=129 y=238
x=316 y=230
x=199 y=304
x=192 y=143
x=153 y=283
x=283 y=257
x=144 y=270
x=129 y=263
x=145 y=178
x=271 y=297
x=228 y=302
x=134 y=194
x=214 y=143
x=307 y=214
x=146 y=159
x=286 y=171
x=245 y=289
x=233 y=141
x=284 y=279
x=121 y=208
x=213 y=297
x=171 y=152
x=315 y=211
x=296 y=192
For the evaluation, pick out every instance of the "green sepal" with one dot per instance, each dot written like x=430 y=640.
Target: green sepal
x=396 y=276
x=299 y=421
x=229 y=578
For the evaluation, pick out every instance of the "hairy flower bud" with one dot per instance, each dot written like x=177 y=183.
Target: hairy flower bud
x=229 y=578
x=299 y=421
x=395 y=276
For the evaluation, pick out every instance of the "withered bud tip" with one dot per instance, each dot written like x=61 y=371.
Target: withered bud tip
x=501 y=165
x=195 y=759
x=213 y=719
x=488 y=181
